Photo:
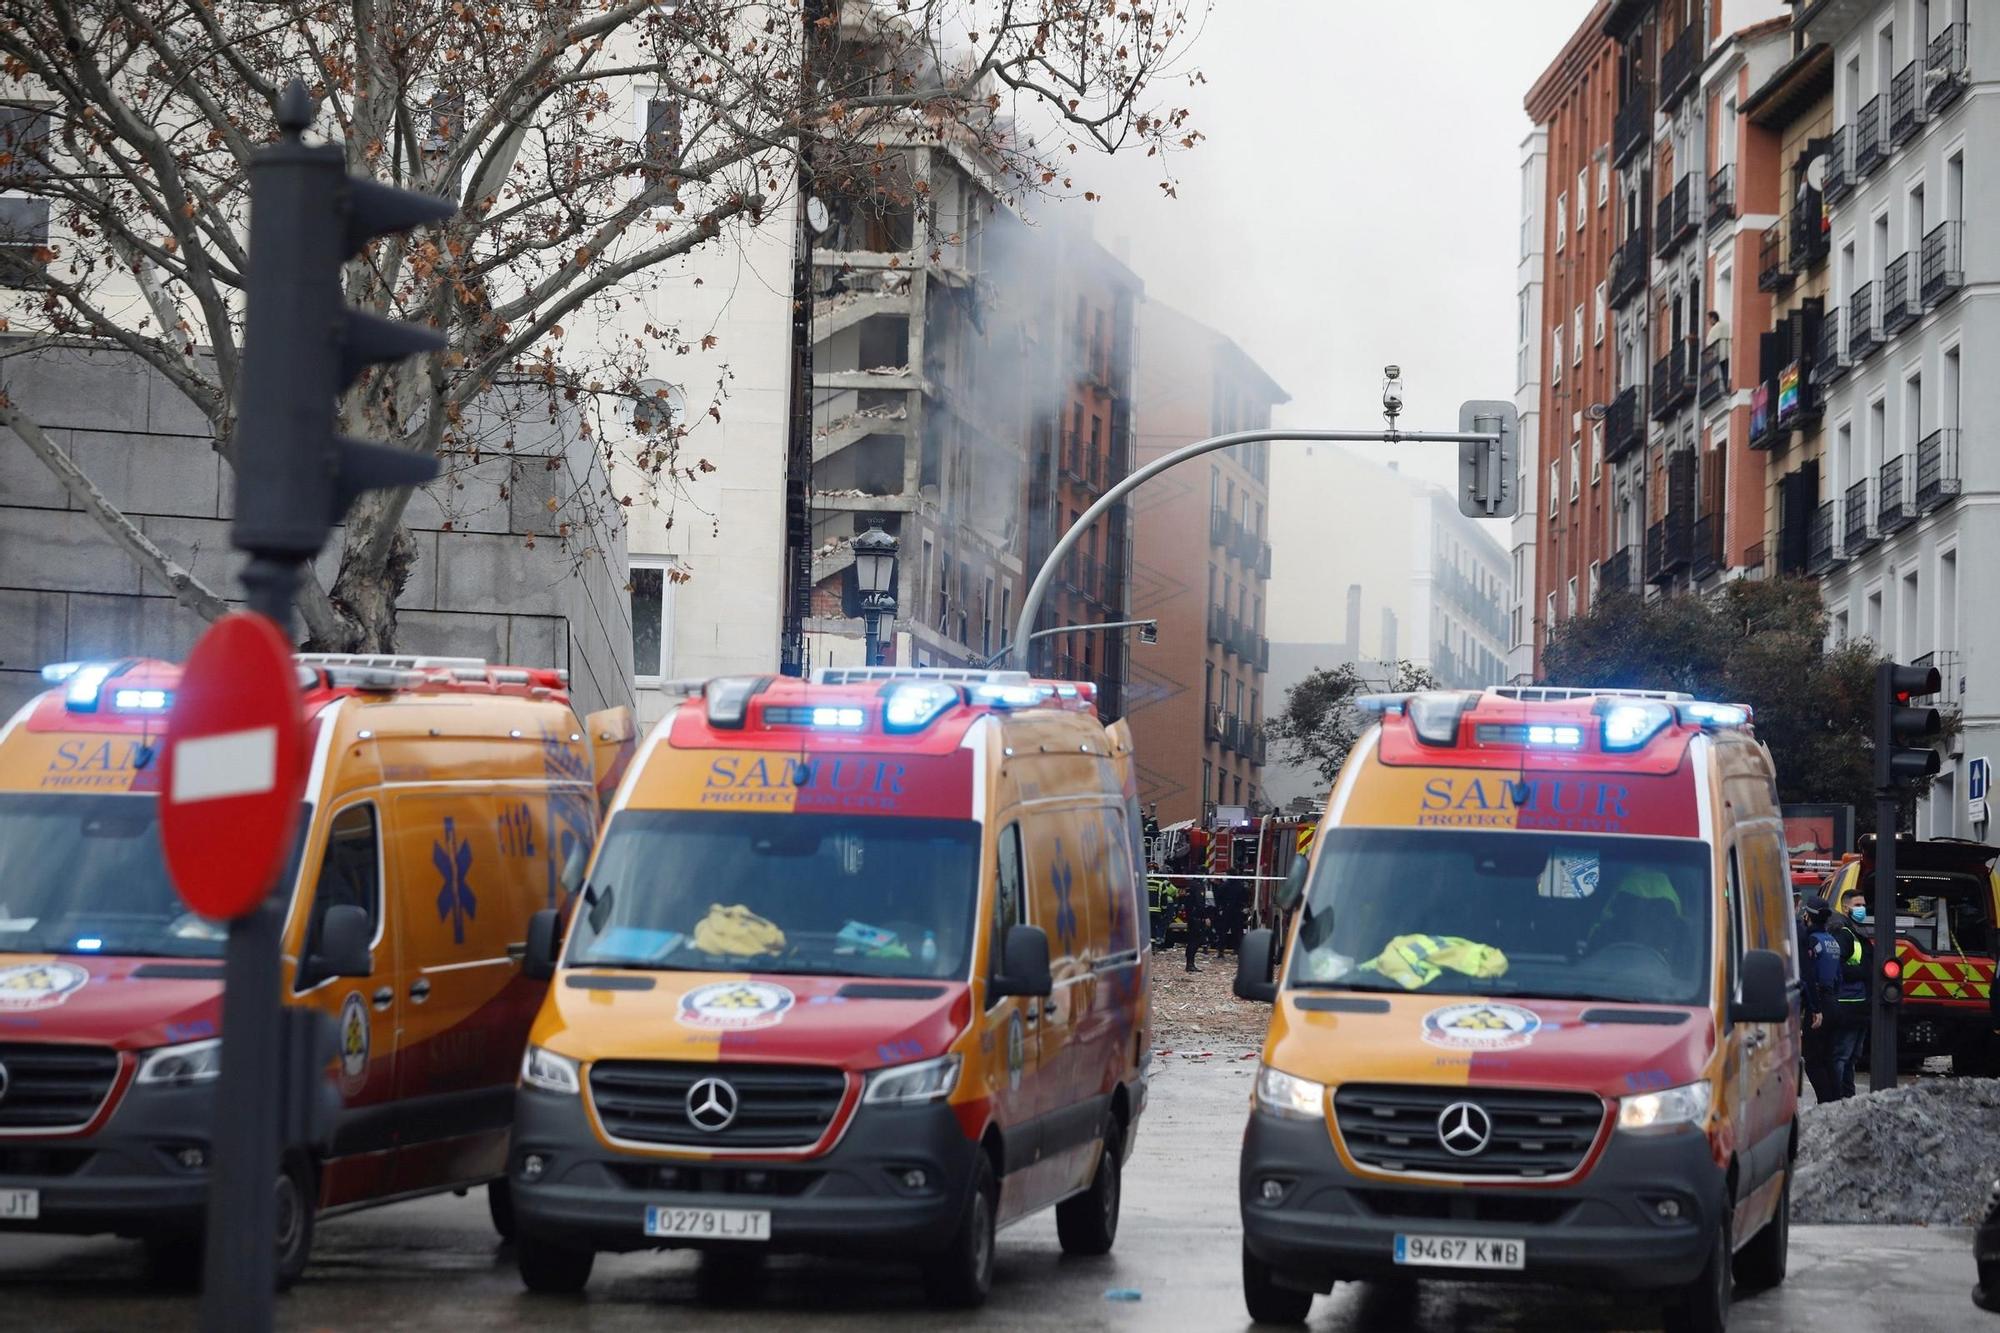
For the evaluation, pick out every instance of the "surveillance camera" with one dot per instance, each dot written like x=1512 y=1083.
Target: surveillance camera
x=1393 y=372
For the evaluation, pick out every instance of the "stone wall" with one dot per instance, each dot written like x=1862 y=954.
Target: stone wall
x=495 y=577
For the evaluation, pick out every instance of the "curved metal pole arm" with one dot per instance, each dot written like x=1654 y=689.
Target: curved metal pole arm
x=1031 y=605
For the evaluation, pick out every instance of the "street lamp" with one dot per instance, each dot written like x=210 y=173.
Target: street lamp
x=874 y=575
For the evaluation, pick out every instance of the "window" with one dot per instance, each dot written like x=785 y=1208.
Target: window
x=1603 y=180
x=1576 y=336
x=660 y=148
x=1570 y=600
x=1549 y=615
x=1555 y=486
x=1597 y=316
x=1007 y=889
x=1556 y=349
x=1582 y=194
x=1562 y=220
x=24 y=220
x=1575 y=469
x=986 y=620
x=1596 y=452
x=652 y=582
x=350 y=875
x=1590 y=589
x=1207 y=776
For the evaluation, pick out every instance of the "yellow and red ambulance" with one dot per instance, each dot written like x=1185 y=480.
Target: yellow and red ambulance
x=859 y=967
x=1537 y=1019
x=444 y=799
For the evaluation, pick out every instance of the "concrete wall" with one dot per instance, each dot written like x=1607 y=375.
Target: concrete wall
x=495 y=575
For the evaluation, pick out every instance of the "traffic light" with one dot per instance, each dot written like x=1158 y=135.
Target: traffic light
x=1892 y=981
x=303 y=346
x=1904 y=735
x=1486 y=468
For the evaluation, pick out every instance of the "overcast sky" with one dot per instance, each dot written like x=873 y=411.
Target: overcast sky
x=1355 y=203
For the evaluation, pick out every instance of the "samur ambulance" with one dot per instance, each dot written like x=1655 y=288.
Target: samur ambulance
x=443 y=801
x=1537 y=1017
x=859 y=968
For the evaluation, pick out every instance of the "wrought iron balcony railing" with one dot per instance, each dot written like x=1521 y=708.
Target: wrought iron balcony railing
x=1937 y=470
x=1673 y=380
x=1714 y=375
x=1632 y=126
x=1628 y=267
x=1858 y=531
x=1840 y=179
x=1830 y=361
x=1823 y=539
x=1708 y=559
x=1900 y=304
x=1624 y=424
x=1943 y=270
x=1906 y=104
x=1721 y=196
x=1870 y=148
x=1946 y=72
x=1863 y=333
x=1893 y=512
x=1772 y=273
x=1809 y=235
x=1680 y=63
x=1620 y=574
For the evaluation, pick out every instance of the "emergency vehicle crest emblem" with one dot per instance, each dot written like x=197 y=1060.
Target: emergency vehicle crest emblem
x=39 y=985
x=735 y=1005
x=353 y=1043
x=1480 y=1025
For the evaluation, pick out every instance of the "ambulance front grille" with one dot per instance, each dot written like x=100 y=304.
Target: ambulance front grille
x=1529 y=1134
x=52 y=1088
x=775 y=1106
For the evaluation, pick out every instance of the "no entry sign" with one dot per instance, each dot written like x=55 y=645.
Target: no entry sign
x=233 y=767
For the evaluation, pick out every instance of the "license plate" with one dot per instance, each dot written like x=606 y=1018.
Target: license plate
x=1461 y=1252
x=708 y=1223
x=20 y=1205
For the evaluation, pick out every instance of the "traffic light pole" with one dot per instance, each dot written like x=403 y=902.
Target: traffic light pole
x=1882 y=1033
x=1031 y=605
x=1904 y=759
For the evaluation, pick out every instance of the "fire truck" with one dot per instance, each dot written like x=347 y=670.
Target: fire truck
x=1259 y=853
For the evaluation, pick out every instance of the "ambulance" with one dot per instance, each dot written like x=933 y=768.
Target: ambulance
x=858 y=968
x=444 y=799
x=1537 y=1019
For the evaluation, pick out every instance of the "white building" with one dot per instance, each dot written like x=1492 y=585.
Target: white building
x=1527 y=400
x=1910 y=496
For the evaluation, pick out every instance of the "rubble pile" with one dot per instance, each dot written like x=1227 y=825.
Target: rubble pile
x=1921 y=1153
x=1196 y=1012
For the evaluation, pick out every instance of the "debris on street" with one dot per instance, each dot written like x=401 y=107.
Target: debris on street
x=1922 y=1153
x=1197 y=1015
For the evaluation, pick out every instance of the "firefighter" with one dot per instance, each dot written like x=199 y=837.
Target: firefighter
x=1849 y=1011
x=1819 y=993
x=1163 y=895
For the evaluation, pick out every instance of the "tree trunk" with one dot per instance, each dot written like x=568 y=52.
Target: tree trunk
x=364 y=596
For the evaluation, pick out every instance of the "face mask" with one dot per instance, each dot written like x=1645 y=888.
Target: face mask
x=1859 y=912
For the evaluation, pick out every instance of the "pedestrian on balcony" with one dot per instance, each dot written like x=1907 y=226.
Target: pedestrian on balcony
x=1718 y=343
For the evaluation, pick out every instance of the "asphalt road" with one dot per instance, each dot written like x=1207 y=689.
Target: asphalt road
x=436 y=1264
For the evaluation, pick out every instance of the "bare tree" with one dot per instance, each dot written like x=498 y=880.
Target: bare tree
x=572 y=197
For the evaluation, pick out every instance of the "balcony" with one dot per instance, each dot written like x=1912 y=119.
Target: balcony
x=1942 y=268
x=1870 y=147
x=1620 y=574
x=1839 y=178
x=1823 y=539
x=1714 y=376
x=1858 y=532
x=1628 y=268
x=1632 y=127
x=1218 y=626
x=1669 y=548
x=1772 y=274
x=1673 y=380
x=1900 y=304
x=1893 y=513
x=1863 y=334
x=1946 y=73
x=1937 y=470
x=1721 y=196
x=1807 y=230
x=1907 y=112
x=1676 y=217
x=1950 y=664
x=1231 y=733
x=1680 y=64
x=1707 y=546
x=1212 y=723
x=1624 y=425
x=1765 y=430
x=1218 y=527
x=1830 y=362
x=1263 y=560
x=1796 y=401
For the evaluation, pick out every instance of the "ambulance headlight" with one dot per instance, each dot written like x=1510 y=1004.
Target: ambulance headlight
x=183 y=1065
x=1656 y=1112
x=1628 y=726
x=1289 y=1097
x=924 y=1081
x=544 y=1069
x=914 y=705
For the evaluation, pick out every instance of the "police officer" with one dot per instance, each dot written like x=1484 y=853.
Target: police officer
x=1849 y=1011
x=1819 y=991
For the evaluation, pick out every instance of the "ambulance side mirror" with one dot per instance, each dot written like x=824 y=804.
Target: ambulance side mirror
x=1295 y=885
x=1253 y=968
x=1024 y=964
x=572 y=871
x=343 y=950
x=544 y=936
x=1761 y=995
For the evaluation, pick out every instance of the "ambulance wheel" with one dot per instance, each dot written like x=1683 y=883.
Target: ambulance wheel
x=500 y=1207
x=551 y=1269
x=1760 y=1265
x=960 y=1275
x=293 y=1213
x=1703 y=1306
x=1267 y=1302
x=1087 y=1223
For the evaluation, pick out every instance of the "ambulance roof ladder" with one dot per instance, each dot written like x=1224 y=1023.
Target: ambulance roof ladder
x=948 y=675
x=1543 y=694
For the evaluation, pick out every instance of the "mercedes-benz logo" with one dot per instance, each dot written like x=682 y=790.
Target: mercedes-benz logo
x=711 y=1105
x=1464 y=1128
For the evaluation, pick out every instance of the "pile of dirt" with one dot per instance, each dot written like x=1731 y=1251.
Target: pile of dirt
x=1922 y=1153
x=1195 y=1013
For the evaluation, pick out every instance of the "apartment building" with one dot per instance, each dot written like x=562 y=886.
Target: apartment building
x=1573 y=104
x=1906 y=503
x=1528 y=403
x=1196 y=716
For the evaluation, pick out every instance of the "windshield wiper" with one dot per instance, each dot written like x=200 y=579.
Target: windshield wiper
x=1371 y=988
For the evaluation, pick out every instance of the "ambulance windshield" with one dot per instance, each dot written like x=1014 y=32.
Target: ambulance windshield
x=828 y=895
x=1551 y=915
x=84 y=875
